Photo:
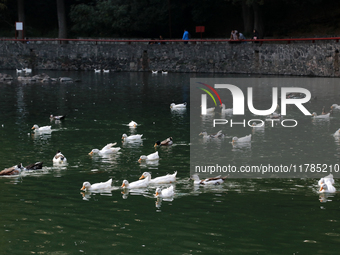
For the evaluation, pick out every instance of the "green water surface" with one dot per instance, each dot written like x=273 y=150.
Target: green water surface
x=44 y=212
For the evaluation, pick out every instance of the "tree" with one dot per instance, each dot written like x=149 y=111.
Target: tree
x=252 y=16
x=120 y=17
x=248 y=18
x=61 y=20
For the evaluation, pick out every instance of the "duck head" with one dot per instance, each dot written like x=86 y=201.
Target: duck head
x=158 y=192
x=145 y=175
x=86 y=186
x=94 y=151
x=235 y=139
x=143 y=157
x=125 y=184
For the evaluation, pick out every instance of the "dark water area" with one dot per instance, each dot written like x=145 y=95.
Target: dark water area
x=44 y=212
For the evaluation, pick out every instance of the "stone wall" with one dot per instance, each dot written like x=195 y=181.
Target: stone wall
x=313 y=59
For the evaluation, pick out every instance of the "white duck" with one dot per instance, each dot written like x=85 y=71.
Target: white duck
x=133 y=124
x=326 y=179
x=176 y=106
x=274 y=116
x=27 y=70
x=59 y=158
x=245 y=139
x=210 y=110
x=152 y=156
x=57 y=117
x=164 y=72
x=327 y=188
x=107 y=149
x=208 y=181
x=97 y=70
x=41 y=129
x=106 y=70
x=131 y=137
x=96 y=186
x=219 y=134
x=168 y=192
x=135 y=185
x=258 y=126
x=322 y=116
x=335 y=107
x=169 y=178
x=337 y=133
x=154 y=71
x=226 y=111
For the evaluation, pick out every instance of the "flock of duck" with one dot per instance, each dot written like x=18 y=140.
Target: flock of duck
x=325 y=183
x=144 y=181
x=107 y=71
x=275 y=116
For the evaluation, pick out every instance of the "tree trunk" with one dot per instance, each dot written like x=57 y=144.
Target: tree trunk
x=258 y=20
x=62 y=20
x=248 y=18
x=21 y=17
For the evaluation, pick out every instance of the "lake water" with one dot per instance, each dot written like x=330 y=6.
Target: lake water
x=44 y=212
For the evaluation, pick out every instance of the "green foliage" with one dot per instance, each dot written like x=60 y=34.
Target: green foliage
x=118 y=17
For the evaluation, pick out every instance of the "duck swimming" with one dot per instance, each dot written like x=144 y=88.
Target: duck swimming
x=59 y=158
x=133 y=124
x=245 y=139
x=322 y=116
x=131 y=137
x=219 y=134
x=135 y=185
x=41 y=129
x=58 y=117
x=327 y=188
x=14 y=170
x=169 y=178
x=107 y=149
x=226 y=111
x=163 y=193
x=175 y=106
x=166 y=142
x=34 y=166
x=96 y=186
x=152 y=156
x=208 y=181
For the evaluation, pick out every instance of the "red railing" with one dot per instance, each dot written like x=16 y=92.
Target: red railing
x=192 y=41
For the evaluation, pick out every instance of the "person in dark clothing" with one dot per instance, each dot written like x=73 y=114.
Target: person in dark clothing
x=161 y=40
x=255 y=35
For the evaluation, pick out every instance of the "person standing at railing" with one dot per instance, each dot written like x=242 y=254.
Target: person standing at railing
x=185 y=36
x=233 y=35
x=240 y=36
x=161 y=40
